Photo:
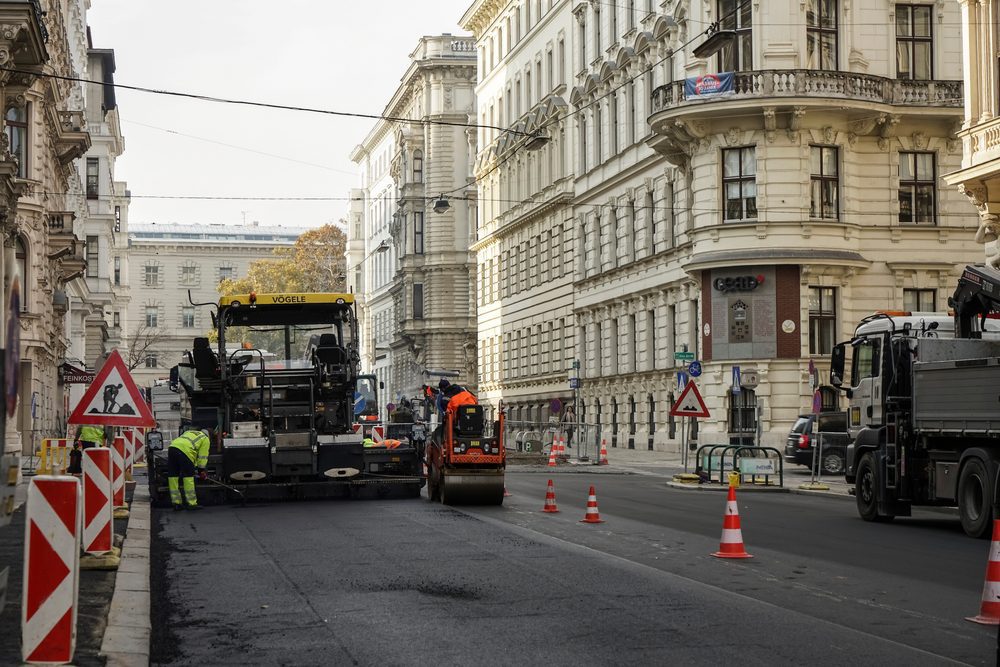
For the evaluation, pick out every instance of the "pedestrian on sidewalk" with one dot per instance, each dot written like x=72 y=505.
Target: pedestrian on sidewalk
x=187 y=453
x=568 y=424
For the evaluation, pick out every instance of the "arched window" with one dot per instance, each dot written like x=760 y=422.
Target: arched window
x=21 y=256
x=418 y=166
x=743 y=416
x=651 y=416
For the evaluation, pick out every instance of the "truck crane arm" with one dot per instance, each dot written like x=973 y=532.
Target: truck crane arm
x=977 y=295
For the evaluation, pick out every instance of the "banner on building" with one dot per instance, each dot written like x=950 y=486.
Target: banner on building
x=708 y=85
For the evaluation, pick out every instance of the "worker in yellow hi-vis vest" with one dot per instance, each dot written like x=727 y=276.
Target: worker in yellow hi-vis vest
x=187 y=453
x=87 y=436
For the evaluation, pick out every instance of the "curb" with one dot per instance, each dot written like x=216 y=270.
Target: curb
x=718 y=487
x=127 y=635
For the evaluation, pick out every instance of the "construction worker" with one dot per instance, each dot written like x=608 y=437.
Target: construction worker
x=87 y=436
x=452 y=396
x=187 y=453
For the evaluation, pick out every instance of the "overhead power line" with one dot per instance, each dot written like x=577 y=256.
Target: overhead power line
x=263 y=105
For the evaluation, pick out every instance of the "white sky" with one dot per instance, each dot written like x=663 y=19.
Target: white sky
x=326 y=54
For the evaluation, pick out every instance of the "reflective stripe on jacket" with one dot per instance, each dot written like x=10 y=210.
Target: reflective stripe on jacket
x=195 y=446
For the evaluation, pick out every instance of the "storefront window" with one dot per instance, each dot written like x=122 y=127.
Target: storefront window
x=822 y=319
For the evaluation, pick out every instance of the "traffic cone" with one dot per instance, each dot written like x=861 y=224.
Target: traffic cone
x=592 y=516
x=603 y=461
x=989 y=611
x=552 y=455
x=550 y=499
x=562 y=446
x=731 y=545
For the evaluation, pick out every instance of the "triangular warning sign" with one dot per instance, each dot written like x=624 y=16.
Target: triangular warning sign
x=690 y=403
x=113 y=399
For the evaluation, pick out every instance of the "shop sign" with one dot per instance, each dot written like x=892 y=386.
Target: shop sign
x=737 y=284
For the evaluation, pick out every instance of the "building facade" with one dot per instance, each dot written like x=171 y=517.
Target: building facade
x=419 y=271
x=751 y=228
x=525 y=229
x=979 y=177
x=169 y=262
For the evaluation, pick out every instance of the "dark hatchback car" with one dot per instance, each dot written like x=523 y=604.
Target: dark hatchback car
x=804 y=436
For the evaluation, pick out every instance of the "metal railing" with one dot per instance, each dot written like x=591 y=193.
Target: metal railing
x=712 y=458
x=583 y=441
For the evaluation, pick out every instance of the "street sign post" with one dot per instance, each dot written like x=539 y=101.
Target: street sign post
x=684 y=356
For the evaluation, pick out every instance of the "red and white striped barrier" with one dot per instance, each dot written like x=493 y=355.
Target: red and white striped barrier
x=98 y=523
x=129 y=458
x=51 y=570
x=138 y=444
x=118 y=472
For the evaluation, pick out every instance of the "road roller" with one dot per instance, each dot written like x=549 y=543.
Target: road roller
x=466 y=459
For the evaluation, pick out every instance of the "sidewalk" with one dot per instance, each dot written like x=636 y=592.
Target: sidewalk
x=112 y=620
x=666 y=465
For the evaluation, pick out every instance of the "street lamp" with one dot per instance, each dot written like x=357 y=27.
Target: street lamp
x=441 y=205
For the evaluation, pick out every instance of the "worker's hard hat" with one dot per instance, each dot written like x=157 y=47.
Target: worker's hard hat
x=206 y=432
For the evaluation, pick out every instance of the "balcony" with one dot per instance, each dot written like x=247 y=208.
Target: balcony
x=760 y=86
x=72 y=140
x=65 y=250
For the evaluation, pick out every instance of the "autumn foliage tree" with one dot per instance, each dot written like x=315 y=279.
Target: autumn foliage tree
x=316 y=263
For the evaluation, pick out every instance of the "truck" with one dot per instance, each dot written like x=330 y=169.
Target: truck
x=283 y=422
x=923 y=420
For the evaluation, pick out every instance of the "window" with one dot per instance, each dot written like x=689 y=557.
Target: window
x=562 y=61
x=418 y=233
x=630 y=17
x=914 y=42
x=821 y=31
x=866 y=361
x=17 y=137
x=21 y=256
x=118 y=270
x=152 y=276
x=739 y=183
x=418 y=166
x=418 y=301
x=226 y=273
x=743 y=414
x=737 y=56
x=93 y=256
x=189 y=275
x=583 y=43
x=916 y=188
x=187 y=317
x=825 y=181
x=93 y=177
x=920 y=300
x=151 y=360
x=152 y=317
x=118 y=218
x=822 y=319
x=116 y=319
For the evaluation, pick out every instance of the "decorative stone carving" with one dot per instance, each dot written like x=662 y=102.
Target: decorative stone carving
x=919 y=140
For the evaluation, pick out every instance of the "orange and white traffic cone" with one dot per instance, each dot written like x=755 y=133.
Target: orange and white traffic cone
x=731 y=544
x=989 y=611
x=592 y=516
x=603 y=461
x=550 y=499
x=552 y=455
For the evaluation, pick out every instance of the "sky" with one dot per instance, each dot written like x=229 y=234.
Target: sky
x=324 y=54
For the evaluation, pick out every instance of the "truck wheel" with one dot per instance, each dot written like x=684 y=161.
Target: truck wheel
x=866 y=490
x=975 y=494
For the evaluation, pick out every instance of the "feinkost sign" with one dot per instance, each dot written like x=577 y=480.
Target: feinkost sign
x=708 y=85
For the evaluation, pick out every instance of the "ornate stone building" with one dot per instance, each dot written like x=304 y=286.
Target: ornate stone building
x=418 y=291
x=751 y=228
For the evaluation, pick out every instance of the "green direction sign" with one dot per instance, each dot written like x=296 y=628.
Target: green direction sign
x=684 y=356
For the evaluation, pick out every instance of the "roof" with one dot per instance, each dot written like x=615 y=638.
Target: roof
x=246 y=234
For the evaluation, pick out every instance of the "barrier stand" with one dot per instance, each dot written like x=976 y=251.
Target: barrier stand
x=139 y=443
x=52 y=570
x=54 y=456
x=118 y=478
x=100 y=552
x=814 y=483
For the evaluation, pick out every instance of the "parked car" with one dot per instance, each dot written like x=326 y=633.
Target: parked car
x=804 y=435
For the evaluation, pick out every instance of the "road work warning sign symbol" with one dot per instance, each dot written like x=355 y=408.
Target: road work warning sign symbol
x=113 y=399
x=690 y=403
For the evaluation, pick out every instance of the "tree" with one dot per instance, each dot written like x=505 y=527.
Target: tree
x=316 y=263
x=143 y=340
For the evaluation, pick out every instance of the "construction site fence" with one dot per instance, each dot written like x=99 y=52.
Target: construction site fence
x=583 y=441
